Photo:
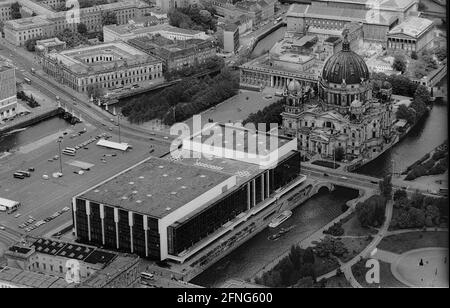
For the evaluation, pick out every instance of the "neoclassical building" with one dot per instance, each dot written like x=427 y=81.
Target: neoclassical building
x=344 y=113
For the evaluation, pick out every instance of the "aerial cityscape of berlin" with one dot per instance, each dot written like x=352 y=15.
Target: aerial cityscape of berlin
x=204 y=145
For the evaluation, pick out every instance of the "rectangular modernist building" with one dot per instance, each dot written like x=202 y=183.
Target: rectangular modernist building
x=174 y=207
x=103 y=66
x=8 y=92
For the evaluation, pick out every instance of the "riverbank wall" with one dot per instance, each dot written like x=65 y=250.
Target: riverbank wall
x=31 y=119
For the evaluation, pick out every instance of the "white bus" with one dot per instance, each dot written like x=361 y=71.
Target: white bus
x=8 y=206
x=68 y=152
x=147 y=276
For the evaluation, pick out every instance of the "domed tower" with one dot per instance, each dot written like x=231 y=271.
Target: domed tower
x=294 y=97
x=345 y=79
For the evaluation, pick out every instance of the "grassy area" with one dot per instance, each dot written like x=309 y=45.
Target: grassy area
x=387 y=279
x=354 y=247
x=352 y=227
x=413 y=240
x=323 y=266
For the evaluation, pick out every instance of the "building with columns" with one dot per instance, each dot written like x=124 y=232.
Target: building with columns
x=176 y=207
x=298 y=56
x=345 y=113
x=414 y=34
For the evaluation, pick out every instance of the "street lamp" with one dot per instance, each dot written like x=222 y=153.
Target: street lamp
x=118 y=124
x=60 y=139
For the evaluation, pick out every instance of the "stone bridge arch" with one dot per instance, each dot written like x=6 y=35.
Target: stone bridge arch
x=321 y=186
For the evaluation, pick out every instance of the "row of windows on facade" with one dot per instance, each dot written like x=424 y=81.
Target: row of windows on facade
x=8 y=113
x=43 y=266
x=327 y=125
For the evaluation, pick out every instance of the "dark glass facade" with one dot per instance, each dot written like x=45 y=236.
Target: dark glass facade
x=183 y=235
x=286 y=171
x=124 y=231
x=110 y=228
x=96 y=223
x=82 y=221
x=153 y=238
x=138 y=234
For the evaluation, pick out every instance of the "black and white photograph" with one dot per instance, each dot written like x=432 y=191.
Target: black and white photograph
x=204 y=147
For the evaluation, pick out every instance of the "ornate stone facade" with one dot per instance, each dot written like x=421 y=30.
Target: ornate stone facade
x=345 y=113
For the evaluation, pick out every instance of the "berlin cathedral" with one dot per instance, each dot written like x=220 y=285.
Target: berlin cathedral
x=346 y=112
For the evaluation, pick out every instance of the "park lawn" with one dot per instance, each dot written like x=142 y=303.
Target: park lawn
x=387 y=279
x=352 y=227
x=323 y=266
x=354 y=247
x=401 y=243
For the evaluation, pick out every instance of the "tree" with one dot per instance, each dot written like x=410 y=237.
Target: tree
x=399 y=64
x=400 y=194
x=82 y=29
x=15 y=11
x=109 y=18
x=441 y=53
x=371 y=213
x=419 y=107
x=414 y=55
x=422 y=94
x=406 y=113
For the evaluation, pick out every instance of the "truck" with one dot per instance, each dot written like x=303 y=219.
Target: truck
x=8 y=206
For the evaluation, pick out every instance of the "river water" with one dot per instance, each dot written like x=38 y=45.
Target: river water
x=428 y=134
x=31 y=134
x=248 y=259
x=267 y=43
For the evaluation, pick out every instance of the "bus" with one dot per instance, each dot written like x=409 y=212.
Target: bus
x=20 y=176
x=25 y=173
x=71 y=149
x=68 y=152
x=147 y=276
x=8 y=206
x=27 y=80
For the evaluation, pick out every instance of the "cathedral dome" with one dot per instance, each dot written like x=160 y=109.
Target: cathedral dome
x=345 y=65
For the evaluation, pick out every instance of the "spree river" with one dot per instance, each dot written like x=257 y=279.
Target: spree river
x=12 y=141
x=424 y=137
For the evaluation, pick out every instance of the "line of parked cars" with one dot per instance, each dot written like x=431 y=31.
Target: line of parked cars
x=21 y=174
x=32 y=224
